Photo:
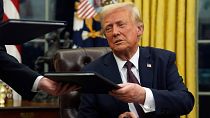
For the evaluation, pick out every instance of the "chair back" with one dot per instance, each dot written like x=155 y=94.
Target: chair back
x=73 y=60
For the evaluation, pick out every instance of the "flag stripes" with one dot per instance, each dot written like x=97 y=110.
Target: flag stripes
x=11 y=9
x=85 y=10
x=11 y=12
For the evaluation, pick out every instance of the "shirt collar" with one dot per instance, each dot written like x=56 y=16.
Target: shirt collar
x=134 y=60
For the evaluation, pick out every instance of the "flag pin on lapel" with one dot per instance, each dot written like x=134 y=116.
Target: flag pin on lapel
x=149 y=65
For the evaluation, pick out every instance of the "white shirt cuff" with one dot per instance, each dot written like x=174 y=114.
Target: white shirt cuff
x=149 y=104
x=36 y=83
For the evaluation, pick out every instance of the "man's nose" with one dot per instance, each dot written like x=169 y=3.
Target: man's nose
x=115 y=30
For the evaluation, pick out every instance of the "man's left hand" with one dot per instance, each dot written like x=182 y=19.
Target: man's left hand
x=130 y=92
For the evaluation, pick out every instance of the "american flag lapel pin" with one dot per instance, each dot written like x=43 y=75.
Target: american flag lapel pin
x=149 y=65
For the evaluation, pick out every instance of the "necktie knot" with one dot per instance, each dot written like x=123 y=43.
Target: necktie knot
x=128 y=65
x=130 y=76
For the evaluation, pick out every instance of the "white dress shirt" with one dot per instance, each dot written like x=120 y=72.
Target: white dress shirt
x=149 y=104
x=36 y=82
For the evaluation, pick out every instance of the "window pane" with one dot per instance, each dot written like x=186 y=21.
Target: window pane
x=204 y=103
x=37 y=9
x=204 y=67
x=204 y=19
x=204 y=30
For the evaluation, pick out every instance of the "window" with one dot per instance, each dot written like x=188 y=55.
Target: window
x=204 y=57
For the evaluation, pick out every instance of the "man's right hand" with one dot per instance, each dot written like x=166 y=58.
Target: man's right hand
x=55 y=88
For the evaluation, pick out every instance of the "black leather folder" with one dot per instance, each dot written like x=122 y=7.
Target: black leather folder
x=89 y=82
x=16 y=31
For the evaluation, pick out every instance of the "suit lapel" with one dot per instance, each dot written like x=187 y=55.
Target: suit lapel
x=145 y=67
x=111 y=69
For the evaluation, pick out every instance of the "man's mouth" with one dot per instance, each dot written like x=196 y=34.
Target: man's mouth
x=118 y=41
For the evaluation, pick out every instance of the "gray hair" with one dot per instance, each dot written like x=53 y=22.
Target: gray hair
x=127 y=5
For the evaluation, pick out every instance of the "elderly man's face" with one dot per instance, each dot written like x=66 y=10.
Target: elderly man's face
x=121 y=31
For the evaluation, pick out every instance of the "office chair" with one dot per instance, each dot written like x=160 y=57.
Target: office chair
x=73 y=60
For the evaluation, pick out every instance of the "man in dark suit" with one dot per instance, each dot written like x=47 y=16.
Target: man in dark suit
x=159 y=90
x=24 y=80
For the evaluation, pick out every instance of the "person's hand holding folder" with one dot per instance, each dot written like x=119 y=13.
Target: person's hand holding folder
x=56 y=88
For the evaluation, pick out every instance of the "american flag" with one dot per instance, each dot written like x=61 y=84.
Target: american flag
x=11 y=8
x=85 y=10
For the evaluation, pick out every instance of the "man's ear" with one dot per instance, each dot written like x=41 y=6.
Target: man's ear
x=140 y=29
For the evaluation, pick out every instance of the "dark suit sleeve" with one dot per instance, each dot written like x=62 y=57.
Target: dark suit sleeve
x=17 y=75
x=171 y=96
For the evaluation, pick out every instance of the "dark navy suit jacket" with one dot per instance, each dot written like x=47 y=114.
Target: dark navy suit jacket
x=172 y=98
x=17 y=75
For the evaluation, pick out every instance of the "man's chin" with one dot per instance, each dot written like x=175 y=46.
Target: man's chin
x=120 y=49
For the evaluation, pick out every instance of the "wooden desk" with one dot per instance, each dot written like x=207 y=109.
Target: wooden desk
x=30 y=110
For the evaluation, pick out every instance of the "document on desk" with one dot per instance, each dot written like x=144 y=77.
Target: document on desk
x=89 y=82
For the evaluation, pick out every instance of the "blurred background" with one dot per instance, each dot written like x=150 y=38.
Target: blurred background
x=37 y=53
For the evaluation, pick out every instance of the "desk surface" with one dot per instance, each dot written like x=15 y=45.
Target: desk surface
x=31 y=105
x=28 y=109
